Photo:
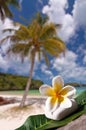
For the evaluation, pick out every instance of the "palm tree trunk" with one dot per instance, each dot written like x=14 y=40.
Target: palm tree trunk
x=28 y=82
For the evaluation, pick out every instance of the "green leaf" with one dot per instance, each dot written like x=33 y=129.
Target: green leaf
x=81 y=98
x=40 y=122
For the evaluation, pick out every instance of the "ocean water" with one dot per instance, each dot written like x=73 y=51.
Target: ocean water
x=80 y=89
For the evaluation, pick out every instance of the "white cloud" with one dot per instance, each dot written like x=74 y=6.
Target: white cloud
x=70 y=23
x=68 y=28
x=4 y=64
x=81 y=49
x=13 y=62
x=46 y=71
x=79 y=15
x=69 y=68
x=56 y=12
x=5 y=25
x=67 y=62
x=79 y=12
x=84 y=59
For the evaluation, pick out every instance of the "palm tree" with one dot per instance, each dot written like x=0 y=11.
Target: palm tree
x=4 y=8
x=38 y=38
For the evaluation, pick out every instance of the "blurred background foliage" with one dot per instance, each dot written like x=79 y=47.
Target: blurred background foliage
x=15 y=82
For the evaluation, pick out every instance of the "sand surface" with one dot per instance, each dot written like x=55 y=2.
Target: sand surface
x=11 y=117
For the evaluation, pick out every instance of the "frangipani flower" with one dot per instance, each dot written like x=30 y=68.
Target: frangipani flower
x=60 y=101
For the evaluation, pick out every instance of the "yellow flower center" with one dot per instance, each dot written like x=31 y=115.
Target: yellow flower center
x=59 y=97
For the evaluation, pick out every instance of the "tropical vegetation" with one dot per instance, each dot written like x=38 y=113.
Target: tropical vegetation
x=10 y=82
x=75 y=84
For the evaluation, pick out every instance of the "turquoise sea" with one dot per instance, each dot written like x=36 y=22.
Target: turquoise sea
x=80 y=89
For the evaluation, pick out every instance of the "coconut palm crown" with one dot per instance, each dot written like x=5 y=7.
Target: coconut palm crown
x=38 y=38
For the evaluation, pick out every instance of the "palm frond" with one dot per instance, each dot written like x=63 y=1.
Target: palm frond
x=2 y=15
x=46 y=57
x=51 y=51
x=39 y=55
x=5 y=39
x=4 y=8
x=48 y=30
x=56 y=43
x=23 y=28
x=19 y=47
x=13 y=2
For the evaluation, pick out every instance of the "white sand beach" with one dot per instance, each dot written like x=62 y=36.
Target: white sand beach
x=11 y=117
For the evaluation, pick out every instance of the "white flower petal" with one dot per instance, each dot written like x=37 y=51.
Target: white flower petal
x=46 y=90
x=62 y=112
x=68 y=91
x=66 y=103
x=51 y=104
x=48 y=114
x=57 y=83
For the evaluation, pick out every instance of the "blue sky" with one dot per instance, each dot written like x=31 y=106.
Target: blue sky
x=71 y=14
